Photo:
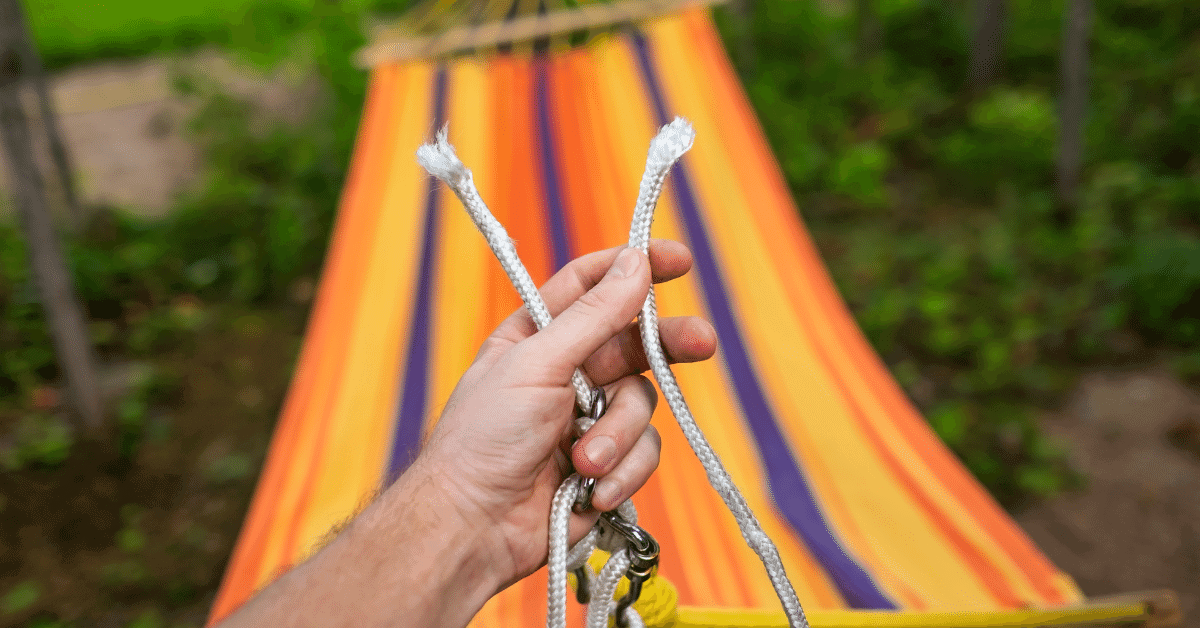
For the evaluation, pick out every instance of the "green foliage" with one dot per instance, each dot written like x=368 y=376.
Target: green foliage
x=149 y=619
x=256 y=226
x=22 y=596
x=26 y=356
x=1009 y=137
x=39 y=440
x=1162 y=279
x=126 y=572
x=228 y=468
x=940 y=207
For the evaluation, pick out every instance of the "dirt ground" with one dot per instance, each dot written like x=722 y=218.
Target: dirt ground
x=1135 y=435
x=123 y=124
x=111 y=543
x=1136 y=524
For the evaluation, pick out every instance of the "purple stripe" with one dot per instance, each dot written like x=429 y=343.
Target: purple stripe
x=550 y=182
x=785 y=480
x=410 y=416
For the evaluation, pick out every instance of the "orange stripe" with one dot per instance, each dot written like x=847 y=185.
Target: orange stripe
x=503 y=300
x=519 y=206
x=786 y=234
x=580 y=178
x=989 y=576
x=356 y=262
x=578 y=167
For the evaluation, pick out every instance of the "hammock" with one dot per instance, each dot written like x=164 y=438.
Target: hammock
x=869 y=510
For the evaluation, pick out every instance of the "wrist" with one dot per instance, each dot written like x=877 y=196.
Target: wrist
x=440 y=548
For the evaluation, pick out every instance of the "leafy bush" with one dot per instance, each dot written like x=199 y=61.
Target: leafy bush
x=256 y=227
x=1009 y=136
x=39 y=440
x=972 y=273
x=1162 y=279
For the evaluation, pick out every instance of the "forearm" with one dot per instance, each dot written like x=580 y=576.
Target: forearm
x=408 y=560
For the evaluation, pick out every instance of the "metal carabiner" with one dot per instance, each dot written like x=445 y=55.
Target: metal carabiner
x=583 y=587
x=583 y=501
x=643 y=561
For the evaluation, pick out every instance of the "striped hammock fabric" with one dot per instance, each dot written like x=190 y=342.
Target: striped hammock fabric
x=868 y=508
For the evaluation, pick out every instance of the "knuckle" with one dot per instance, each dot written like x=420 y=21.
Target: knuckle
x=493 y=346
x=649 y=392
x=579 y=274
x=655 y=439
x=594 y=301
x=654 y=456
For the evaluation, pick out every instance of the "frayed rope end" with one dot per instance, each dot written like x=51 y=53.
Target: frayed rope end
x=672 y=141
x=439 y=159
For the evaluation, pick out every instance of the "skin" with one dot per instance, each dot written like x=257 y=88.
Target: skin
x=470 y=516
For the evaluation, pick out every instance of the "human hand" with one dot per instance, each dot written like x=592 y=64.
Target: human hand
x=503 y=444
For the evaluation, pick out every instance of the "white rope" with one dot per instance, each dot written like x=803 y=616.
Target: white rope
x=665 y=149
x=672 y=141
x=440 y=160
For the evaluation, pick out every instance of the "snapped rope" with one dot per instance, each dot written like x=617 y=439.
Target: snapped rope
x=667 y=147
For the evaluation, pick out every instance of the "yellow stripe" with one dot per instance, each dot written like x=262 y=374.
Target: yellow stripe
x=1087 y=615
x=459 y=320
x=883 y=503
x=708 y=393
x=463 y=256
x=364 y=407
x=810 y=408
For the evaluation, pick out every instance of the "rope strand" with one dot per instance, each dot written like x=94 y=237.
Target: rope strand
x=667 y=147
x=441 y=160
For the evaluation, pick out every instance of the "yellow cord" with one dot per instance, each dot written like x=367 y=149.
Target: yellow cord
x=690 y=617
x=658 y=608
x=658 y=605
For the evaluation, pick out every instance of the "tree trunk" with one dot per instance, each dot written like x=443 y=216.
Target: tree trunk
x=55 y=287
x=869 y=38
x=742 y=20
x=987 y=43
x=1073 y=100
x=33 y=73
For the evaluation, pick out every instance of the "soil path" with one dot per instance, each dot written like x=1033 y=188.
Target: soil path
x=123 y=124
x=1136 y=525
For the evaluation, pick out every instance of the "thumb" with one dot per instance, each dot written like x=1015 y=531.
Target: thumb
x=593 y=319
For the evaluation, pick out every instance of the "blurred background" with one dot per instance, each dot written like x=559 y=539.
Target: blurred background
x=1007 y=193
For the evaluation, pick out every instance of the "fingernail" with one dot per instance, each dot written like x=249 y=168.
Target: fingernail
x=606 y=492
x=627 y=262
x=600 y=450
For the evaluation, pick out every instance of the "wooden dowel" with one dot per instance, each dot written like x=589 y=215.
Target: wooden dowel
x=390 y=46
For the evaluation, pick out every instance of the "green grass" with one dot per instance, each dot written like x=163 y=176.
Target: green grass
x=69 y=31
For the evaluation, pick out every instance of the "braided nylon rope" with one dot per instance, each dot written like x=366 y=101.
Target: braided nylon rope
x=673 y=140
x=665 y=149
x=441 y=161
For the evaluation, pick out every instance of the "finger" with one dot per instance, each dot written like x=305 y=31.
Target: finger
x=550 y=356
x=633 y=400
x=631 y=472
x=668 y=260
x=684 y=339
